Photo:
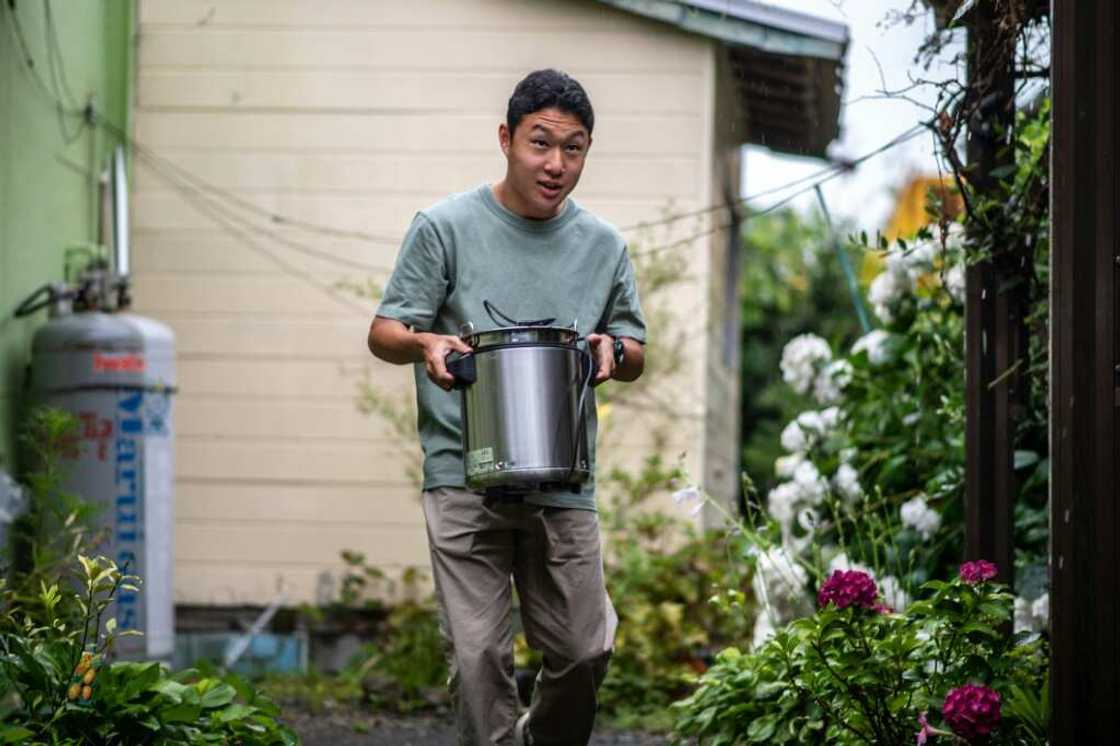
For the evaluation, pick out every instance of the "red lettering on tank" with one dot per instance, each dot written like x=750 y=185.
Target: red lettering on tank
x=97 y=429
x=118 y=362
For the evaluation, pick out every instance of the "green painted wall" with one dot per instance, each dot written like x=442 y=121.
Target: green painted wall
x=48 y=188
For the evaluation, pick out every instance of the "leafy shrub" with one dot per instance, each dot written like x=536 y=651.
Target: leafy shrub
x=874 y=478
x=62 y=688
x=662 y=575
x=863 y=674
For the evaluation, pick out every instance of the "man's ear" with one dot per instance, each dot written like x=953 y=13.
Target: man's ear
x=504 y=137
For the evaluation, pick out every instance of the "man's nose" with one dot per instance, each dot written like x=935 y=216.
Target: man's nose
x=554 y=164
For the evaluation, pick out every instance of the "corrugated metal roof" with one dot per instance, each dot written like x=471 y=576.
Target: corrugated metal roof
x=787 y=66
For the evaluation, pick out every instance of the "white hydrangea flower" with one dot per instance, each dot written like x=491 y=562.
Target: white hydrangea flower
x=918 y=515
x=830 y=382
x=887 y=289
x=808 y=519
x=954 y=238
x=802 y=357
x=894 y=595
x=781 y=503
x=912 y=418
x=921 y=256
x=811 y=422
x=841 y=562
x=778 y=577
x=763 y=629
x=1040 y=610
x=846 y=482
x=955 y=283
x=1032 y=616
x=828 y=419
x=793 y=438
x=811 y=486
x=1024 y=619
x=876 y=344
x=785 y=466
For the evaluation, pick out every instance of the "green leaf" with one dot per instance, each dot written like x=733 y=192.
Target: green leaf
x=218 y=696
x=180 y=714
x=235 y=712
x=761 y=729
x=14 y=734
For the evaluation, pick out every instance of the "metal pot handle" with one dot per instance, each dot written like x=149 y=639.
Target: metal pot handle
x=462 y=368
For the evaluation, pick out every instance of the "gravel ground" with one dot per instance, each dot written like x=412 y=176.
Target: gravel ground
x=355 y=728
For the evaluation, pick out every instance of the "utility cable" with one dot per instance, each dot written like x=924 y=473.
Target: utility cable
x=829 y=175
x=62 y=109
x=185 y=187
x=815 y=180
x=273 y=217
x=826 y=173
x=200 y=201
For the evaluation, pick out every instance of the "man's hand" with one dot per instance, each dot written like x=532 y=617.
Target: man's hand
x=602 y=349
x=436 y=348
x=394 y=342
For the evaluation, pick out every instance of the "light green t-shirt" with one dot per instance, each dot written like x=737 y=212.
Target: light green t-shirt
x=468 y=248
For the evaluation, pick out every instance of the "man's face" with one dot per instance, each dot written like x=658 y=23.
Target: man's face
x=545 y=156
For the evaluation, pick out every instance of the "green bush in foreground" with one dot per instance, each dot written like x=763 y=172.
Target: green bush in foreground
x=60 y=688
x=855 y=672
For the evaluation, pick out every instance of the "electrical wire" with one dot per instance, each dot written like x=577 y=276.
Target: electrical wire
x=824 y=174
x=200 y=201
x=829 y=176
x=154 y=159
x=245 y=223
x=62 y=109
x=273 y=217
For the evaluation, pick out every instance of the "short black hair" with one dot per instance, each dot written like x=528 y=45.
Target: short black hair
x=544 y=89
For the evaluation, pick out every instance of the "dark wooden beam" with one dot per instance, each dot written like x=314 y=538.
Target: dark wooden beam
x=1085 y=349
x=994 y=309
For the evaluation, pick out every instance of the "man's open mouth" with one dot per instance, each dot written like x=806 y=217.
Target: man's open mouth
x=550 y=188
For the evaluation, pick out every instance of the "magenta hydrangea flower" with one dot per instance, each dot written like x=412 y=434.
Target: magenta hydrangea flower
x=972 y=711
x=846 y=588
x=978 y=571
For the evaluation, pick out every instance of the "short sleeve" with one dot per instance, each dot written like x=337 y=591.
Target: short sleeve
x=623 y=315
x=421 y=278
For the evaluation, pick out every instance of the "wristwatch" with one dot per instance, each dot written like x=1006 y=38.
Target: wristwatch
x=619 y=352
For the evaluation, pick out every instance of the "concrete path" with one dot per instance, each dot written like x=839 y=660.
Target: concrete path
x=343 y=728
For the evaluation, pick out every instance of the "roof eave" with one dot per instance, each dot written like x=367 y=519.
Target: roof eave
x=806 y=52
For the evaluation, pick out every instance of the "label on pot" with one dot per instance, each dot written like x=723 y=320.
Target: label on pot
x=480 y=461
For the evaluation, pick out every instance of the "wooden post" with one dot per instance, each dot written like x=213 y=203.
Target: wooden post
x=994 y=310
x=1084 y=391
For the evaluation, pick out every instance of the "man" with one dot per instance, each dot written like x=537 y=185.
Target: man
x=526 y=247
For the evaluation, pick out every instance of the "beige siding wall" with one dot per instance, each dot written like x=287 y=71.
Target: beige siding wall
x=354 y=114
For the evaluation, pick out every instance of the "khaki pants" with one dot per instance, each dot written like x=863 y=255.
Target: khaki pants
x=553 y=555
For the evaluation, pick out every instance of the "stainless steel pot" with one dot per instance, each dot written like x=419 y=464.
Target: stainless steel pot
x=523 y=389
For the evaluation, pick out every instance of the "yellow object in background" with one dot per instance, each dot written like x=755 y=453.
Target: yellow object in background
x=912 y=212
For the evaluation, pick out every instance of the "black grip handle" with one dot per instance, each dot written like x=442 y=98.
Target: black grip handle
x=462 y=369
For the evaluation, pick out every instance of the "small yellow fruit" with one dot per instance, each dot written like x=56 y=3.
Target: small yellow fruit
x=87 y=692
x=88 y=678
x=73 y=691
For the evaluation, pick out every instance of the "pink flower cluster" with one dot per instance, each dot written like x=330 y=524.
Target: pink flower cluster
x=846 y=588
x=972 y=711
x=978 y=571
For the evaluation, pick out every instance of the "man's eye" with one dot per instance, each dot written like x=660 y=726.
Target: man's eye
x=539 y=143
x=575 y=148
